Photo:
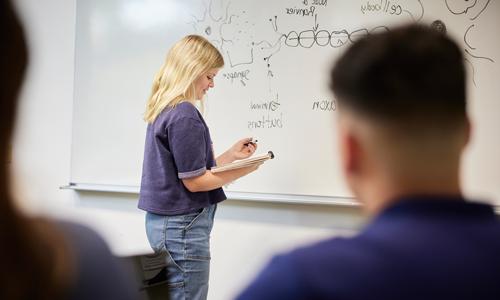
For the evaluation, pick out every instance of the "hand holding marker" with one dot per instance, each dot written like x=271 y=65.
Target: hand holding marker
x=251 y=144
x=249 y=147
x=252 y=141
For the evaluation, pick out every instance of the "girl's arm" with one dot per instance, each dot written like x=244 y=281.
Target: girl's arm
x=242 y=149
x=210 y=181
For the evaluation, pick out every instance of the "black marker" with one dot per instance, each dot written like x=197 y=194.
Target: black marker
x=252 y=141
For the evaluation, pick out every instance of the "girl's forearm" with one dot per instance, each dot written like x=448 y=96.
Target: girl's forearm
x=210 y=181
x=224 y=158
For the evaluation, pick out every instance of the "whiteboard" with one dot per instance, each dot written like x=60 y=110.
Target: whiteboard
x=273 y=86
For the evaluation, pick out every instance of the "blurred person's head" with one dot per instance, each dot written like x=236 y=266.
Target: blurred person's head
x=35 y=261
x=402 y=115
x=14 y=58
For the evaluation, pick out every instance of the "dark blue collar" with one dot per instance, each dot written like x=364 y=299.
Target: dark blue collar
x=437 y=205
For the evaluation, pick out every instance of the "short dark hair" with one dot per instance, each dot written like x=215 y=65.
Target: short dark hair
x=411 y=74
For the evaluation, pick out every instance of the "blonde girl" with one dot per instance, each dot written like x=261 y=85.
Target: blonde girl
x=178 y=191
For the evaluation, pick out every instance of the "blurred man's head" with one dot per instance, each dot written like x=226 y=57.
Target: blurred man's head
x=403 y=122
x=13 y=61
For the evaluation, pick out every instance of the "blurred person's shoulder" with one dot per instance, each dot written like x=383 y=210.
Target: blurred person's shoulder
x=310 y=272
x=98 y=274
x=408 y=245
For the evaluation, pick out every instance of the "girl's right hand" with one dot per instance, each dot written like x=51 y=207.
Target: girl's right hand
x=242 y=149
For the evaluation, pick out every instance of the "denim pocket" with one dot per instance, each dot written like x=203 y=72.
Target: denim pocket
x=191 y=219
x=197 y=236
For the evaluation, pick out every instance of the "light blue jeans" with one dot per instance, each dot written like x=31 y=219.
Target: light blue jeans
x=186 y=241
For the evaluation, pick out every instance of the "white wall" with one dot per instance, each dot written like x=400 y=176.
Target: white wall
x=245 y=234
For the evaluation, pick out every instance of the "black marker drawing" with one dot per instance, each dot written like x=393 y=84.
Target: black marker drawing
x=234 y=32
x=479 y=57
x=473 y=75
x=249 y=62
x=465 y=37
x=422 y=12
x=214 y=30
x=325 y=38
x=468 y=44
x=473 y=8
x=441 y=27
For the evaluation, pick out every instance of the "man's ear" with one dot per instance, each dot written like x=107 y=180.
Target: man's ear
x=350 y=150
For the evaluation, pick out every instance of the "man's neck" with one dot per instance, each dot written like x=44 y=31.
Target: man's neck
x=379 y=197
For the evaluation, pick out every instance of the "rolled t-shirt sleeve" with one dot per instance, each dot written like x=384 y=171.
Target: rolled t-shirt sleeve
x=188 y=147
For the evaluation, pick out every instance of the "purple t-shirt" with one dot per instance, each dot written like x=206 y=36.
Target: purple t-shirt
x=178 y=146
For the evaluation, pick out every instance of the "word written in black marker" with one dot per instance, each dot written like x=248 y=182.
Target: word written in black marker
x=303 y=12
x=324 y=105
x=385 y=6
x=267 y=122
x=238 y=75
x=320 y=2
x=315 y=2
x=267 y=105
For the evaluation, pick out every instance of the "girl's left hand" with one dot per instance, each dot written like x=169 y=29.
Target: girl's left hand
x=243 y=149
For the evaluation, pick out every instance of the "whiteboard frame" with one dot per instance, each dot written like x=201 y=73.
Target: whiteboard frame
x=239 y=196
x=243 y=196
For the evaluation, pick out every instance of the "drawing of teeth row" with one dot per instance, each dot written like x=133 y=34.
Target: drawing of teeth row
x=324 y=38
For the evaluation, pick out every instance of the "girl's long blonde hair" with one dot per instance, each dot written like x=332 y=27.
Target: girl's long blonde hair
x=188 y=59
